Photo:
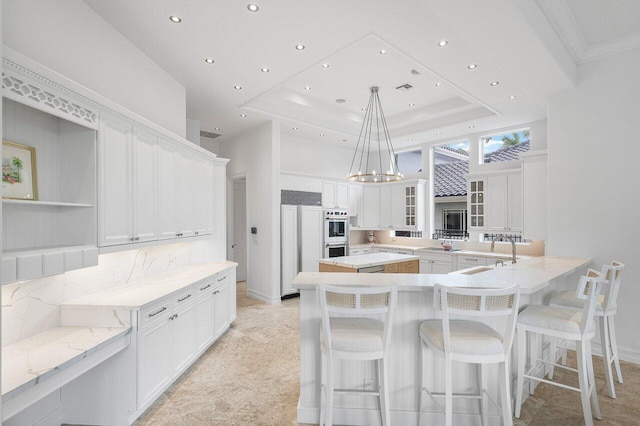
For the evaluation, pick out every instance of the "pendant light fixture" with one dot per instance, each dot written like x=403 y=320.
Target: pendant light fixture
x=369 y=163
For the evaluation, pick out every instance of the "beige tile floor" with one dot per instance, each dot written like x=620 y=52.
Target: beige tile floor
x=250 y=376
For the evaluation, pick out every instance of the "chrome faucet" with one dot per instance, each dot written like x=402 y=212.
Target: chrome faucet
x=513 y=245
x=498 y=261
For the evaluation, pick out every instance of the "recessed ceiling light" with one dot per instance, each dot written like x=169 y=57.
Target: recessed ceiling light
x=294 y=128
x=410 y=140
x=438 y=84
x=512 y=97
x=217 y=128
x=438 y=133
x=495 y=83
x=209 y=60
x=253 y=7
x=321 y=134
x=363 y=109
x=472 y=126
x=300 y=46
x=472 y=66
x=442 y=43
x=243 y=115
x=411 y=104
x=383 y=52
x=175 y=19
x=344 y=140
x=325 y=65
x=341 y=101
x=307 y=87
x=264 y=69
x=237 y=87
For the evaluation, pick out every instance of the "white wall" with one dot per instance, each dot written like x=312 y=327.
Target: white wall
x=313 y=158
x=210 y=145
x=594 y=177
x=256 y=154
x=193 y=131
x=71 y=39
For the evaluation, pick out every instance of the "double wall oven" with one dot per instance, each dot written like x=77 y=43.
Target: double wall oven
x=336 y=233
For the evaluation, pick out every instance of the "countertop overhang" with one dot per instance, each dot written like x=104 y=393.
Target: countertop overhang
x=532 y=274
x=368 y=260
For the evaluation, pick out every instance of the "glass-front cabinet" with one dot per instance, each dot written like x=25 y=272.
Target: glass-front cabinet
x=476 y=203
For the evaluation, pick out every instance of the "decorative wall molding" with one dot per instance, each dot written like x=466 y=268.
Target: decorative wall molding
x=33 y=89
x=534 y=155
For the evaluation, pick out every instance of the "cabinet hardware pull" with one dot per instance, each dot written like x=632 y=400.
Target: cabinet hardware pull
x=184 y=298
x=175 y=316
x=205 y=287
x=216 y=292
x=470 y=260
x=196 y=232
x=164 y=308
x=220 y=279
x=131 y=239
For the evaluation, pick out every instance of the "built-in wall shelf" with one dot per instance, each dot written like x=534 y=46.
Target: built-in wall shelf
x=34 y=203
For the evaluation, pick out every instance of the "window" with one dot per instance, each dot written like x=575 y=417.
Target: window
x=504 y=147
x=409 y=161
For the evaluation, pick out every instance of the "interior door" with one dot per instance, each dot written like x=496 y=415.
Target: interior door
x=239 y=228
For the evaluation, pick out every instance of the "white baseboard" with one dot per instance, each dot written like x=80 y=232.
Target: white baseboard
x=264 y=298
x=625 y=354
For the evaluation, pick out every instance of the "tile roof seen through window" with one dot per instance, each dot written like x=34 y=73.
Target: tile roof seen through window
x=449 y=178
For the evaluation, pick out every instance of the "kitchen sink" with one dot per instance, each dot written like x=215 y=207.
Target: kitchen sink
x=441 y=249
x=477 y=270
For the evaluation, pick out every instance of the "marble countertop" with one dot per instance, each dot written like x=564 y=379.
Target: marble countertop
x=367 y=260
x=430 y=250
x=532 y=274
x=142 y=292
x=30 y=361
x=390 y=246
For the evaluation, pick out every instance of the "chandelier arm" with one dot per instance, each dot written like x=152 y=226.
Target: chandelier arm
x=378 y=109
x=355 y=153
x=367 y=135
x=392 y=152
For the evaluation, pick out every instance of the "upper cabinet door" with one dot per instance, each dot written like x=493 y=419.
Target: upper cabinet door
x=186 y=192
x=514 y=188
x=167 y=189
x=329 y=194
x=371 y=213
x=145 y=209
x=115 y=223
x=399 y=204
x=356 y=206
x=385 y=206
x=203 y=208
x=497 y=203
x=342 y=195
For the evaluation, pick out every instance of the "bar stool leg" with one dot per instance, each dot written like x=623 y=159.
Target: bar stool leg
x=448 y=399
x=421 y=369
x=592 y=383
x=606 y=355
x=614 y=346
x=522 y=349
x=383 y=377
x=553 y=341
x=505 y=393
x=581 y=355
x=323 y=389
x=330 y=386
x=484 y=407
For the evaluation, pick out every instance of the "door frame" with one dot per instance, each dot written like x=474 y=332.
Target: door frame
x=231 y=180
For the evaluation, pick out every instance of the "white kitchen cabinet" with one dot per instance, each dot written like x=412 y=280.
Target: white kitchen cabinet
x=534 y=194
x=115 y=221
x=183 y=332
x=397 y=206
x=371 y=202
x=205 y=326
x=335 y=194
x=231 y=296
x=356 y=204
x=168 y=181
x=356 y=251
x=385 y=205
x=476 y=203
x=436 y=263
x=467 y=261
x=504 y=202
x=289 y=252
x=221 y=308
x=144 y=186
x=186 y=192
x=203 y=211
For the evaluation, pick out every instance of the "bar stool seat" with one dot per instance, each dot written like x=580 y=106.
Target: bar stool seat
x=468 y=338
x=355 y=335
x=540 y=319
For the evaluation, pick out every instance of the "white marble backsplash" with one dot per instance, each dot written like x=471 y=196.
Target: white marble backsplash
x=30 y=307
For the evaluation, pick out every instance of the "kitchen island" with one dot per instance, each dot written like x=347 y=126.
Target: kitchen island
x=374 y=262
x=537 y=276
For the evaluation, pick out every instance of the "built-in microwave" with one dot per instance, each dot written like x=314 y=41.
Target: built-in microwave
x=335 y=250
x=336 y=227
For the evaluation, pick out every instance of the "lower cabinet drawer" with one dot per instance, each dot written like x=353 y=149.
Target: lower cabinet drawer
x=155 y=312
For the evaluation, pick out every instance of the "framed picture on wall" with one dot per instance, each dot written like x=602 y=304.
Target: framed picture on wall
x=19 y=179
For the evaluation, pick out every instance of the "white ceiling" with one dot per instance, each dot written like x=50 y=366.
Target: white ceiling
x=514 y=43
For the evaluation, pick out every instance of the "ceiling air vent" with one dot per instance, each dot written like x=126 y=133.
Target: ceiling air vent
x=209 y=135
x=404 y=87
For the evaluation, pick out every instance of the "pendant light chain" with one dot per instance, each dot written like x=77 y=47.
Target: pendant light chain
x=367 y=174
